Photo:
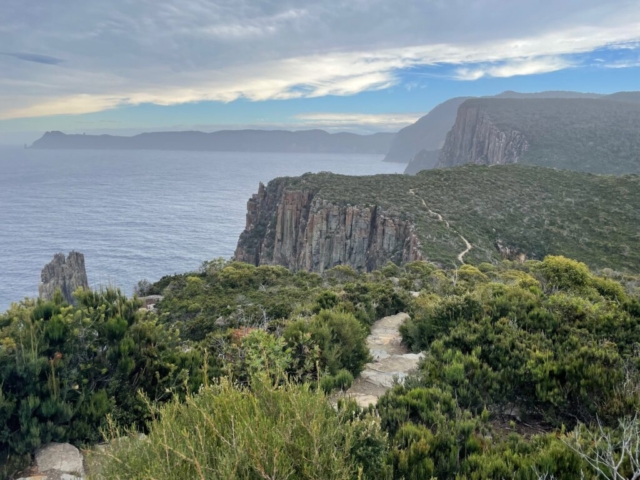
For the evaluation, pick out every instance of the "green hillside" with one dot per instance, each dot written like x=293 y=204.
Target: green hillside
x=589 y=135
x=530 y=210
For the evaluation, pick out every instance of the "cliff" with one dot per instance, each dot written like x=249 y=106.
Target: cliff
x=66 y=274
x=596 y=135
x=304 y=141
x=300 y=230
x=448 y=216
x=428 y=133
x=476 y=139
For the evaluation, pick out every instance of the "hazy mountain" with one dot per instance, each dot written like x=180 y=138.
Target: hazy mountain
x=424 y=160
x=625 y=97
x=430 y=131
x=590 y=135
x=548 y=94
x=307 y=141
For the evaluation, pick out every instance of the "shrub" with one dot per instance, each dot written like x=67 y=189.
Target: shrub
x=64 y=368
x=340 y=338
x=264 y=432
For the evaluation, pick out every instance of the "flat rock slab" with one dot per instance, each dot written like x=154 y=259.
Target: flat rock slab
x=60 y=458
x=391 y=361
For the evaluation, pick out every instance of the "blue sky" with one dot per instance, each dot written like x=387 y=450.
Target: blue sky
x=361 y=65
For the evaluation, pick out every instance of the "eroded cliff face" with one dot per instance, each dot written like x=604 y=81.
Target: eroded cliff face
x=301 y=231
x=476 y=139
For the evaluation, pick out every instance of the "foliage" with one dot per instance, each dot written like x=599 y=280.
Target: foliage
x=64 y=368
x=588 y=135
x=263 y=432
x=340 y=339
x=530 y=211
x=515 y=353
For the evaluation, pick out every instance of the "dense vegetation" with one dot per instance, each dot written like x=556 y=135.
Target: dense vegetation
x=588 y=135
x=522 y=362
x=503 y=211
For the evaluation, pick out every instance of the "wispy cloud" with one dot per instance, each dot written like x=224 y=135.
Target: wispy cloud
x=512 y=68
x=34 y=57
x=387 y=121
x=169 y=52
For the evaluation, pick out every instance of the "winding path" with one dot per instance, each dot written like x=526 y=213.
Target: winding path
x=440 y=218
x=391 y=360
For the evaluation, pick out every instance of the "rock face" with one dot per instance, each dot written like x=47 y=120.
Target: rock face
x=301 y=231
x=475 y=138
x=66 y=274
x=428 y=133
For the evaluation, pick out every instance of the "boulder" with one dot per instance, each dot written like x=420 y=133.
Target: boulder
x=60 y=458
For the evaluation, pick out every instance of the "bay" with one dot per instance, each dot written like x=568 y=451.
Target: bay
x=135 y=214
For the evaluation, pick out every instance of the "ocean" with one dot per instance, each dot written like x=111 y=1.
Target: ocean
x=135 y=214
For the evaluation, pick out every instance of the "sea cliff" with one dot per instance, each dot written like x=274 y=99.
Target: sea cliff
x=302 y=231
x=476 y=138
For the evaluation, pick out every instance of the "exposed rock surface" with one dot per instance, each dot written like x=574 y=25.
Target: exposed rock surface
x=475 y=138
x=66 y=274
x=391 y=361
x=300 y=230
x=57 y=461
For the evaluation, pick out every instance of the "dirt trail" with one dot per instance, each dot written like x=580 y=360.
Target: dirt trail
x=391 y=359
x=439 y=217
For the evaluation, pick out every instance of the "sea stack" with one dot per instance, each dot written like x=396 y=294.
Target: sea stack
x=66 y=274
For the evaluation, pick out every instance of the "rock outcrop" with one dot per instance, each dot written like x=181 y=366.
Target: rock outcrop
x=300 y=230
x=475 y=138
x=66 y=274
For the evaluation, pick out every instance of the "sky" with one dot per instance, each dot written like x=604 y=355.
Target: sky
x=124 y=67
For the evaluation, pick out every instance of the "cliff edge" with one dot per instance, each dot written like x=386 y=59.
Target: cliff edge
x=298 y=229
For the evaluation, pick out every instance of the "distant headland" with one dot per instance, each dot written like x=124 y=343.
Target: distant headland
x=305 y=141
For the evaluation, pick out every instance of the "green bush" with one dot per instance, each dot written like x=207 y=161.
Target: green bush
x=63 y=369
x=340 y=340
x=264 y=432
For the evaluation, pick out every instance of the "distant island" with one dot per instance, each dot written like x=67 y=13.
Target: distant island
x=306 y=141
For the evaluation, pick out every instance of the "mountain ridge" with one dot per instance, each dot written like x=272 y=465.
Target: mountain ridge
x=302 y=141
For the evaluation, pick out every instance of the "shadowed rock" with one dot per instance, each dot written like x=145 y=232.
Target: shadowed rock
x=66 y=274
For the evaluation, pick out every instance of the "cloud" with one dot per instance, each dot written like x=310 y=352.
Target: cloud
x=33 y=57
x=166 y=52
x=386 y=121
x=512 y=68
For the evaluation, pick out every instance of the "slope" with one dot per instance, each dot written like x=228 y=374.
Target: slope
x=590 y=135
x=510 y=211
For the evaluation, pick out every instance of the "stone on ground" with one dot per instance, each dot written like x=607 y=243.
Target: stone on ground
x=60 y=459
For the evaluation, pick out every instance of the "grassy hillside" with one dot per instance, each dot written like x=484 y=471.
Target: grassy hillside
x=589 y=135
x=530 y=210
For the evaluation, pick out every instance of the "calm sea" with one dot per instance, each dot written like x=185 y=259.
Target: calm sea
x=135 y=214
